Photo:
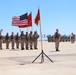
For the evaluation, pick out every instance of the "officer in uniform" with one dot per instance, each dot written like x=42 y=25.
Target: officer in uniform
x=31 y=40
x=1 y=37
x=35 y=37
x=57 y=39
x=17 y=38
x=22 y=40
x=7 y=40
x=72 y=38
x=26 y=40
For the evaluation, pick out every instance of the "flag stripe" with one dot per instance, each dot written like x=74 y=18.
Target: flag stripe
x=17 y=22
x=20 y=20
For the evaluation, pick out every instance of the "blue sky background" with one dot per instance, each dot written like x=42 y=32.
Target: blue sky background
x=54 y=14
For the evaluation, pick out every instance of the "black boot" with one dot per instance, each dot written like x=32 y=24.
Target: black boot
x=27 y=49
x=35 y=48
x=1 y=49
x=31 y=48
x=12 y=48
x=57 y=50
x=17 y=47
x=22 y=48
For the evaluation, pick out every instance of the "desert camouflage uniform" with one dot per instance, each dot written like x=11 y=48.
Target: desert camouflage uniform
x=57 y=40
x=12 y=39
x=22 y=40
x=31 y=40
x=17 y=38
x=35 y=37
x=1 y=39
x=7 y=41
x=72 y=38
x=26 y=40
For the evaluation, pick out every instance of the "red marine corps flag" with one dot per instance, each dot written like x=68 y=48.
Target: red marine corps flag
x=37 y=18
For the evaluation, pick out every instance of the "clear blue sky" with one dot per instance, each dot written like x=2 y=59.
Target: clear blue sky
x=59 y=14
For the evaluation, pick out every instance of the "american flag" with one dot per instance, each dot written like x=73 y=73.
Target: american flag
x=20 y=20
x=29 y=22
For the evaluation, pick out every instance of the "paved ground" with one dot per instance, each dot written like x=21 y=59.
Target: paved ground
x=19 y=62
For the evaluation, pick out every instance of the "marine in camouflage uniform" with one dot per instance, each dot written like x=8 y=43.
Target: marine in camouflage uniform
x=7 y=41
x=35 y=37
x=57 y=39
x=26 y=40
x=12 y=38
x=73 y=38
x=22 y=40
x=1 y=38
x=17 y=38
x=31 y=40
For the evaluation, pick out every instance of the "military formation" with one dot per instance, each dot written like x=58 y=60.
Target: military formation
x=63 y=38
x=29 y=41
x=23 y=41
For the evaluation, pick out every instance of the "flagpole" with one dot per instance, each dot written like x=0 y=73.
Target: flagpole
x=32 y=25
x=27 y=29
x=32 y=28
x=40 y=31
x=42 y=52
x=41 y=35
x=20 y=30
